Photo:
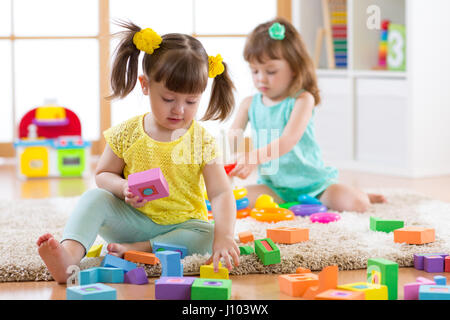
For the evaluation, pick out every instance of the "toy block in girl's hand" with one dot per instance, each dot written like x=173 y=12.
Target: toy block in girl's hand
x=414 y=235
x=141 y=257
x=149 y=185
x=246 y=236
x=173 y=288
x=207 y=271
x=288 y=235
x=136 y=276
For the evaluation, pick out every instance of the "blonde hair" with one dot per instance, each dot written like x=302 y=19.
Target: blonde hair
x=259 y=46
x=180 y=62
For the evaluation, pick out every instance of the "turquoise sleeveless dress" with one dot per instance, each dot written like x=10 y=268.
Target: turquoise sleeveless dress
x=301 y=170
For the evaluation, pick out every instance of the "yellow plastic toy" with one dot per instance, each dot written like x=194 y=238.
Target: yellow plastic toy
x=271 y=214
x=265 y=201
x=372 y=291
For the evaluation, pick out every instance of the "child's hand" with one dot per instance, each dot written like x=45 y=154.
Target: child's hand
x=224 y=247
x=131 y=199
x=246 y=163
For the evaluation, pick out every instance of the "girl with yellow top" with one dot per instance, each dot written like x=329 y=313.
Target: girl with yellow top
x=175 y=74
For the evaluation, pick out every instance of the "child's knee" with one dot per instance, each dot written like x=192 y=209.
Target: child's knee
x=95 y=196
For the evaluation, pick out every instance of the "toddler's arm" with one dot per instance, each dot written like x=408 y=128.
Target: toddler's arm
x=223 y=206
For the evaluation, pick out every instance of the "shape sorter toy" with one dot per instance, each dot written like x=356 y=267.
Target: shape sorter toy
x=211 y=289
x=207 y=271
x=295 y=285
x=149 y=185
x=384 y=272
x=267 y=251
x=387 y=226
x=288 y=235
x=372 y=291
x=414 y=235
x=95 y=291
x=170 y=263
x=160 y=246
x=173 y=288
x=49 y=144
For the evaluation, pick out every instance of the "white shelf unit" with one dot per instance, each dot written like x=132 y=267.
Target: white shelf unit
x=387 y=122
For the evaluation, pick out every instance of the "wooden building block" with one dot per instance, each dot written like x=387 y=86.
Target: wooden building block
x=267 y=251
x=334 y=294
x=295 y=285
x=372 y=291
x=387 y=226
x=207 y=271
x=288 y=235
x=414 y=235
x=141 y=257
x=383 y=271
x=246 y=236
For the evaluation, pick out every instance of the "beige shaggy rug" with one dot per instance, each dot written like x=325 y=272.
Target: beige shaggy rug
x=347 y=243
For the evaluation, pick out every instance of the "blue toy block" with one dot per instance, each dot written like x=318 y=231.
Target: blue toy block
x=160 y=246
x=440 y=280
x=434 y=292
x=88 y=276
x=95 y=291
x=116 y=262
x=101 y=274
x=170 y=263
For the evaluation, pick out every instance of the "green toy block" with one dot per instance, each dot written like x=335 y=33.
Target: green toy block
x=71 y=162
x=246 y=250
x=384 y=272
x=387 y=226
x=267 y=251
x=211 y=289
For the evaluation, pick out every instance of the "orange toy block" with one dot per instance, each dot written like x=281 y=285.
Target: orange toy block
x=334 y=294
x=295 y=285
x=288 y=235
x=246 y=236
x=328 y=279
x=302 y=270
x=141 y=257
x=414 y=235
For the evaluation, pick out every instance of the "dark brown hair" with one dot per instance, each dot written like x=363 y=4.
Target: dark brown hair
x=180 y=62
x=260 y=46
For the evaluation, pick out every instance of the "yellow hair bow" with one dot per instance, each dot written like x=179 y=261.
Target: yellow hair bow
x=147 y=40
x=216 y=66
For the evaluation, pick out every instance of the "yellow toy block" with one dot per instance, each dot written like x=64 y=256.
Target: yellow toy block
x=50 y=113
x=372 y=291
x=207 y=271
x=94 y=251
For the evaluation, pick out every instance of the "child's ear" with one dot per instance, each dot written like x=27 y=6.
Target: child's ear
x=144 y=84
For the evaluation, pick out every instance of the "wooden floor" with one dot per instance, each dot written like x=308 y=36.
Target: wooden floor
x=253 y=287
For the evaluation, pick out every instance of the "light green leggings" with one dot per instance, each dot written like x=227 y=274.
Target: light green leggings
x=99 y=212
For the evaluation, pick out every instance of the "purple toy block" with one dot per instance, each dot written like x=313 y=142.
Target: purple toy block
x=173 y=288
x=418 y=259
x=411 y=290
x=149 y=184
x=433 y=264
x=136 y=276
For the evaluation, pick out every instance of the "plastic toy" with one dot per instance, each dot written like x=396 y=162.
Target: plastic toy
x=245 y=250
x=267 y=251
x=433 y=263
x=242 y=203
x=101 y=274
x=243 y=213
x=302 y=270
x=324 y=217
x=207 y=271
x=434 y=292
x=246 y=236
x=272 y=214
x=440 y=280
x=305 y=199
x=295 y=285
x=239 y=193
x=383 y=45
x=116 y=262
x=211 y=289
x=372 y=291
x=265 y=201
x=304 y=210
x=96 y=291
x=229 y=167
x=419 y=261
x=49 y=144
x=136 y=276
x=334 y=294
x=160 y=246
x=173 y=288
x=411 y=290
x=288 y=235
x=141 y=257
x=385 y=272
x=288 y=205
x=170 y=263
x=149 y=185
x=328 y=279
x=447 y=264
x=414 y=235
x=387 y=226
x=95 y=251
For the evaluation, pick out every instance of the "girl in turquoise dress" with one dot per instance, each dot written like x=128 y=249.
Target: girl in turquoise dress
x=281 y=114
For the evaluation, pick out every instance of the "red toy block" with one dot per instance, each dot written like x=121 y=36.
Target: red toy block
x=141 y=257
x=447 y=264
x=295 y=285
x=414 y=235
x=288 y=235
x=149 y=185
x=328 y=279
x=246 y=236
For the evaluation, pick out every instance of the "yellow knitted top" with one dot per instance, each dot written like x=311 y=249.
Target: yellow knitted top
x=181 y=162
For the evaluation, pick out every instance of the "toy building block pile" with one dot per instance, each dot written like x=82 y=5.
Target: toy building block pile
x=432 y=262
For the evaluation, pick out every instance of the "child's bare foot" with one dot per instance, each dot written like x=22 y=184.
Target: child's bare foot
x=376 y=198
x=55 y=257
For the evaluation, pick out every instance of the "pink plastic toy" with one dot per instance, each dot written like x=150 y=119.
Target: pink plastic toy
x=411 y=290
x=149 y=184
x=324 y=217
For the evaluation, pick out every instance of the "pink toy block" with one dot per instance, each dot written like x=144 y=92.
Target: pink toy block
x=149 y=185
x=411 y=290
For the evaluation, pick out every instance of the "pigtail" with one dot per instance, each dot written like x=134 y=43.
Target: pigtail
x=222 y=102
x=124 y=72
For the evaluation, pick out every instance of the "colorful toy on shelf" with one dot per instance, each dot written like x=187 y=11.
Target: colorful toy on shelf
x=271 y=214
x=211 y=289
x=304 y=210
x=387 y=226
x=383 y=45
x=288 y=235
x=324 y=217
x=49 y=144
x=396 y=58
x=384 y=272
x=149 y=184
x=414 y=235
